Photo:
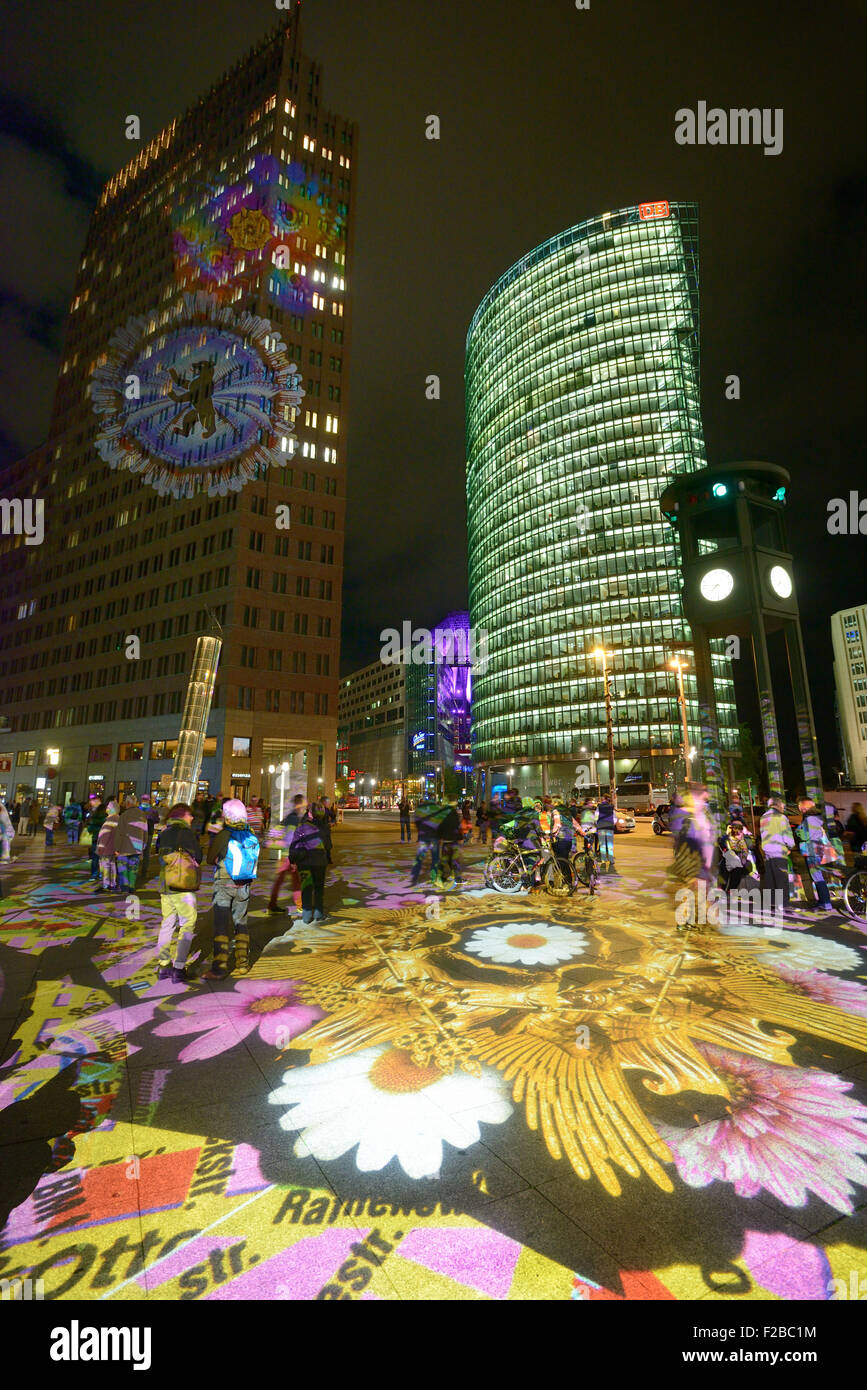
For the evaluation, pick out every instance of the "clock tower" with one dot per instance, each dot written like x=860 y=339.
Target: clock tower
x=738 y=585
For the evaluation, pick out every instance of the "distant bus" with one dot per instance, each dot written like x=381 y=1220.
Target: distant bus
x=640 y=797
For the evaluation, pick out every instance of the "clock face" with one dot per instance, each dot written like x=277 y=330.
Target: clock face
x=781 y=581
x=717 y=585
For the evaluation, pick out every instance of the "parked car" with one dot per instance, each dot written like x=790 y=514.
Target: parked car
x=624 y=821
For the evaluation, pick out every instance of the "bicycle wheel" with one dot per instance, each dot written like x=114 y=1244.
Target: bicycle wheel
x=586 y=873
x=855 y=895
x=505 y=873
x=557 y=878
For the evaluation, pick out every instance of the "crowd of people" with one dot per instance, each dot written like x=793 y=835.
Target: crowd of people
x=756 y=852
x=226 y=833
x=441 y=828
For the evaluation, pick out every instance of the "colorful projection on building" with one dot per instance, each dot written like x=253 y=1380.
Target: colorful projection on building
x=454 y=680
x=271 y=221
x=201 y=403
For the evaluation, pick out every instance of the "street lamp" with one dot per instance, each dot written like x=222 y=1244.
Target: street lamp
x=680 y=666
x=600 y=653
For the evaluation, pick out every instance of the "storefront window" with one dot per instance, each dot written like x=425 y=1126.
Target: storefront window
x=100 y=753
x=27 y=759
x=127 y=789
x=130 y=752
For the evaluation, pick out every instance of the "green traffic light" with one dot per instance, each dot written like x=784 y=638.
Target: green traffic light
x=720 y=490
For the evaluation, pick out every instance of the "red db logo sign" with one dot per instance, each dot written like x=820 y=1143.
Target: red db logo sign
x=646 y=210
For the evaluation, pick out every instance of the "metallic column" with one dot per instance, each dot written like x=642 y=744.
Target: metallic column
x=709 y=724
x=804 y=712
x=766 y=704
x=194 y=722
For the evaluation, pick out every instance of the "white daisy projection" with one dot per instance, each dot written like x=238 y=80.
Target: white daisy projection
x=800 y=952
x=381 y=1100
x=813 y=953
x=526 y=943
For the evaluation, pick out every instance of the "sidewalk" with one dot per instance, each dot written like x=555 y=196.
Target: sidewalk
x=434 y=1095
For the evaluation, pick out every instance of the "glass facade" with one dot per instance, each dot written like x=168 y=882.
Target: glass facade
x=582 y=399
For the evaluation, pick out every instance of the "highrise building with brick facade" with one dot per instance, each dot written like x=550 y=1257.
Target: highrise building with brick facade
x=216 y=274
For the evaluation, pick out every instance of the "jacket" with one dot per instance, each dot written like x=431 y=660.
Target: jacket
x=218 y=846
x=605 y=817
x=132 y=832
x=812 y=838
x=450 y=826
x=310 y=841
x=105 y=845
x=71 y=813
x=177 y=835
x=776 y=832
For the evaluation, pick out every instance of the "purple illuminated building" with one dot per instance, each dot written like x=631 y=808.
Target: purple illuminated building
x=454 y=685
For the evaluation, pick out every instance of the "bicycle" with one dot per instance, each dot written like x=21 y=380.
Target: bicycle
x=512 y=866
x=585 y=861
x=851 y=885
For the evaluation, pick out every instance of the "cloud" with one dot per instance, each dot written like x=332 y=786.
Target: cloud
x=43 y=134
x=43 y=323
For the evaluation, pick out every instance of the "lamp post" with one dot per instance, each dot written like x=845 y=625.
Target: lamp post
x=680 y=666
x=600 y=653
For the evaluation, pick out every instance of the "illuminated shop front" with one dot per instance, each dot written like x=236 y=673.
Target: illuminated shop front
x=582 y=399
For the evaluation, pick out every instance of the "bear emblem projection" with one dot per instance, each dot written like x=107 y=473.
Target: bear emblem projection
x=200 y=404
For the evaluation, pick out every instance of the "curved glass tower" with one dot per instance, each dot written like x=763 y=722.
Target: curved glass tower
x=582 y=400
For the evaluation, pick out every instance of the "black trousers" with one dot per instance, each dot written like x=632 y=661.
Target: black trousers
x=313 y=887
x=777 y=878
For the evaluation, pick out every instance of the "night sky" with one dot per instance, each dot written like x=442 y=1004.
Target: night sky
x=549 y=116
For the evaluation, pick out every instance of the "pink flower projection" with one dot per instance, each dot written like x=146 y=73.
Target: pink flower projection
x=267 y=1007
x=791 y=1131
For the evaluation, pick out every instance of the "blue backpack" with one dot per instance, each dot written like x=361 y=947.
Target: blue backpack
x=242 y=856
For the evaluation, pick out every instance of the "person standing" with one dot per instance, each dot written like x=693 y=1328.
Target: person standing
x=736 y=862
x=777 y=845
x=835 y=832
x=856 y=828
x=72 y=818
x=310 y=850
x=482 y=821
x=427 y=820
x=816 y=849
x=180 y=855
x=234 y=850
x=255 y=818
x=131 y=837
x=404 y=810
x=152 y=816
x=605 y=820
x=51 y=822
x=7 y=834
x=34 y=819
x=96 y=816
x=735 y=809
x=286 y=867
x=105 y=849
x=451 y=834
x=23 y=816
